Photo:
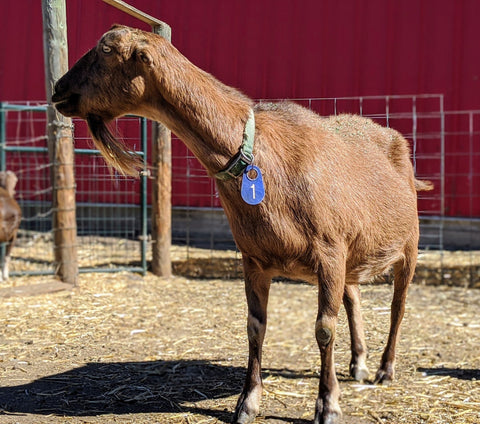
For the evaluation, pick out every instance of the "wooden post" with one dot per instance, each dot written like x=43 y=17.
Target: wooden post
x=162 y=190
x=161 y=163
x=60 y=144
x=161 y=200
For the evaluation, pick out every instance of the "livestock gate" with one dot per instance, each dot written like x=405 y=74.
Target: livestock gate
x=112 y=215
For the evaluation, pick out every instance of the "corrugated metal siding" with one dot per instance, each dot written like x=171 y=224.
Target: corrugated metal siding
x=282 y=48
x=279 y=48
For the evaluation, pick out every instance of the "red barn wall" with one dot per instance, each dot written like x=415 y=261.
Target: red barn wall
x=280 y=48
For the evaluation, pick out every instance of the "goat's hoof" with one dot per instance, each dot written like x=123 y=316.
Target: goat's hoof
x=243 y=418
x=330 y=418
x=330 y=415
x=359 y=372
x=383 y=377
x=244 y=413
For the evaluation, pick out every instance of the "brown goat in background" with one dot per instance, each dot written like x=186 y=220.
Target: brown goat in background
x=340 y=202
x=10 y=216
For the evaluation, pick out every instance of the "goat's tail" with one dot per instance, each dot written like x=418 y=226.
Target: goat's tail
x=115 y=152
x=423 y=185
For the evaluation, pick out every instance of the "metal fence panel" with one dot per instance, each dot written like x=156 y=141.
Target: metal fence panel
x=419 y=118
x=111 y=209
x=111 y=221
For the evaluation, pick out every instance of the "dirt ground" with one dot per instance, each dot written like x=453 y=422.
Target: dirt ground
x=122 y=348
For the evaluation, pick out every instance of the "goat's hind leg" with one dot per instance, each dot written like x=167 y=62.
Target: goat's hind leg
x=257 y=287
x=351 y=301
x=404 y=270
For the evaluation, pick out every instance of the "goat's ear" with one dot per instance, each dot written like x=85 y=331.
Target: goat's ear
x=11 y=182
x=8 y=180
x=143 y=55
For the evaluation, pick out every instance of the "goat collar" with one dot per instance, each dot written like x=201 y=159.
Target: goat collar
x=244 y=157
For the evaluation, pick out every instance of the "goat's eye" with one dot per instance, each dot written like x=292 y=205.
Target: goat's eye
x=106 y=49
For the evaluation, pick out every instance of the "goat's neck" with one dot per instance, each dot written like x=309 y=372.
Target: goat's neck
x=207 y=115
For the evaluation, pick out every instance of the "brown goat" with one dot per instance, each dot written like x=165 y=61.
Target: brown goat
x=10 y=216
x=340 y=193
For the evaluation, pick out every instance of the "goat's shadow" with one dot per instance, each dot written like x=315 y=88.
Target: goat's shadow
x=129 y=388
x=124 y=388
x=458 y=373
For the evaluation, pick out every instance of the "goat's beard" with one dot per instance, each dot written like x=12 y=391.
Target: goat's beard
x=115 y=152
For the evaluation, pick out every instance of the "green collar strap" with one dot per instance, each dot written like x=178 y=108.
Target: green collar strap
x=244 y=157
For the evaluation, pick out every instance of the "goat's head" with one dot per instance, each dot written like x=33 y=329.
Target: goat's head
x=107 y=82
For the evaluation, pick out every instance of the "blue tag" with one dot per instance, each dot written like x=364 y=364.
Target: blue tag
x=253 y=190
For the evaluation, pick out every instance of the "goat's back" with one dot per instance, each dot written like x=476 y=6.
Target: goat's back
x=362 y=131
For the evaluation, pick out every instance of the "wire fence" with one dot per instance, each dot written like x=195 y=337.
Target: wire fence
x=111 y=236
x=109 y=206
x=419 y=118
x=450 y=246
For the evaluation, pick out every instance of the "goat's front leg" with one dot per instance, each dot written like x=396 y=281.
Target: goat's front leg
x=6 y=260
x=351 y=301
x=330 y=292
x=257 y=286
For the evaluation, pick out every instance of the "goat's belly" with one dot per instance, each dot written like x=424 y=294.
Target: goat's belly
x=368 y=271
x=363 y=272
x=298 y=274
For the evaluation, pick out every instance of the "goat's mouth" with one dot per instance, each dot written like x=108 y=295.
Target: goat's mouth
x=67 y=104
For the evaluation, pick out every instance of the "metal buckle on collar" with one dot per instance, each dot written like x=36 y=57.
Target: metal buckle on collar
x=236 y=168
x=247 y=158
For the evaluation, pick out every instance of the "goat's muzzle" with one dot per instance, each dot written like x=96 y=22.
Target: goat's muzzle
x=66 y=103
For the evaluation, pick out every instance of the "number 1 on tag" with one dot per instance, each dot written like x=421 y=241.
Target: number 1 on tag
x=253 y=190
